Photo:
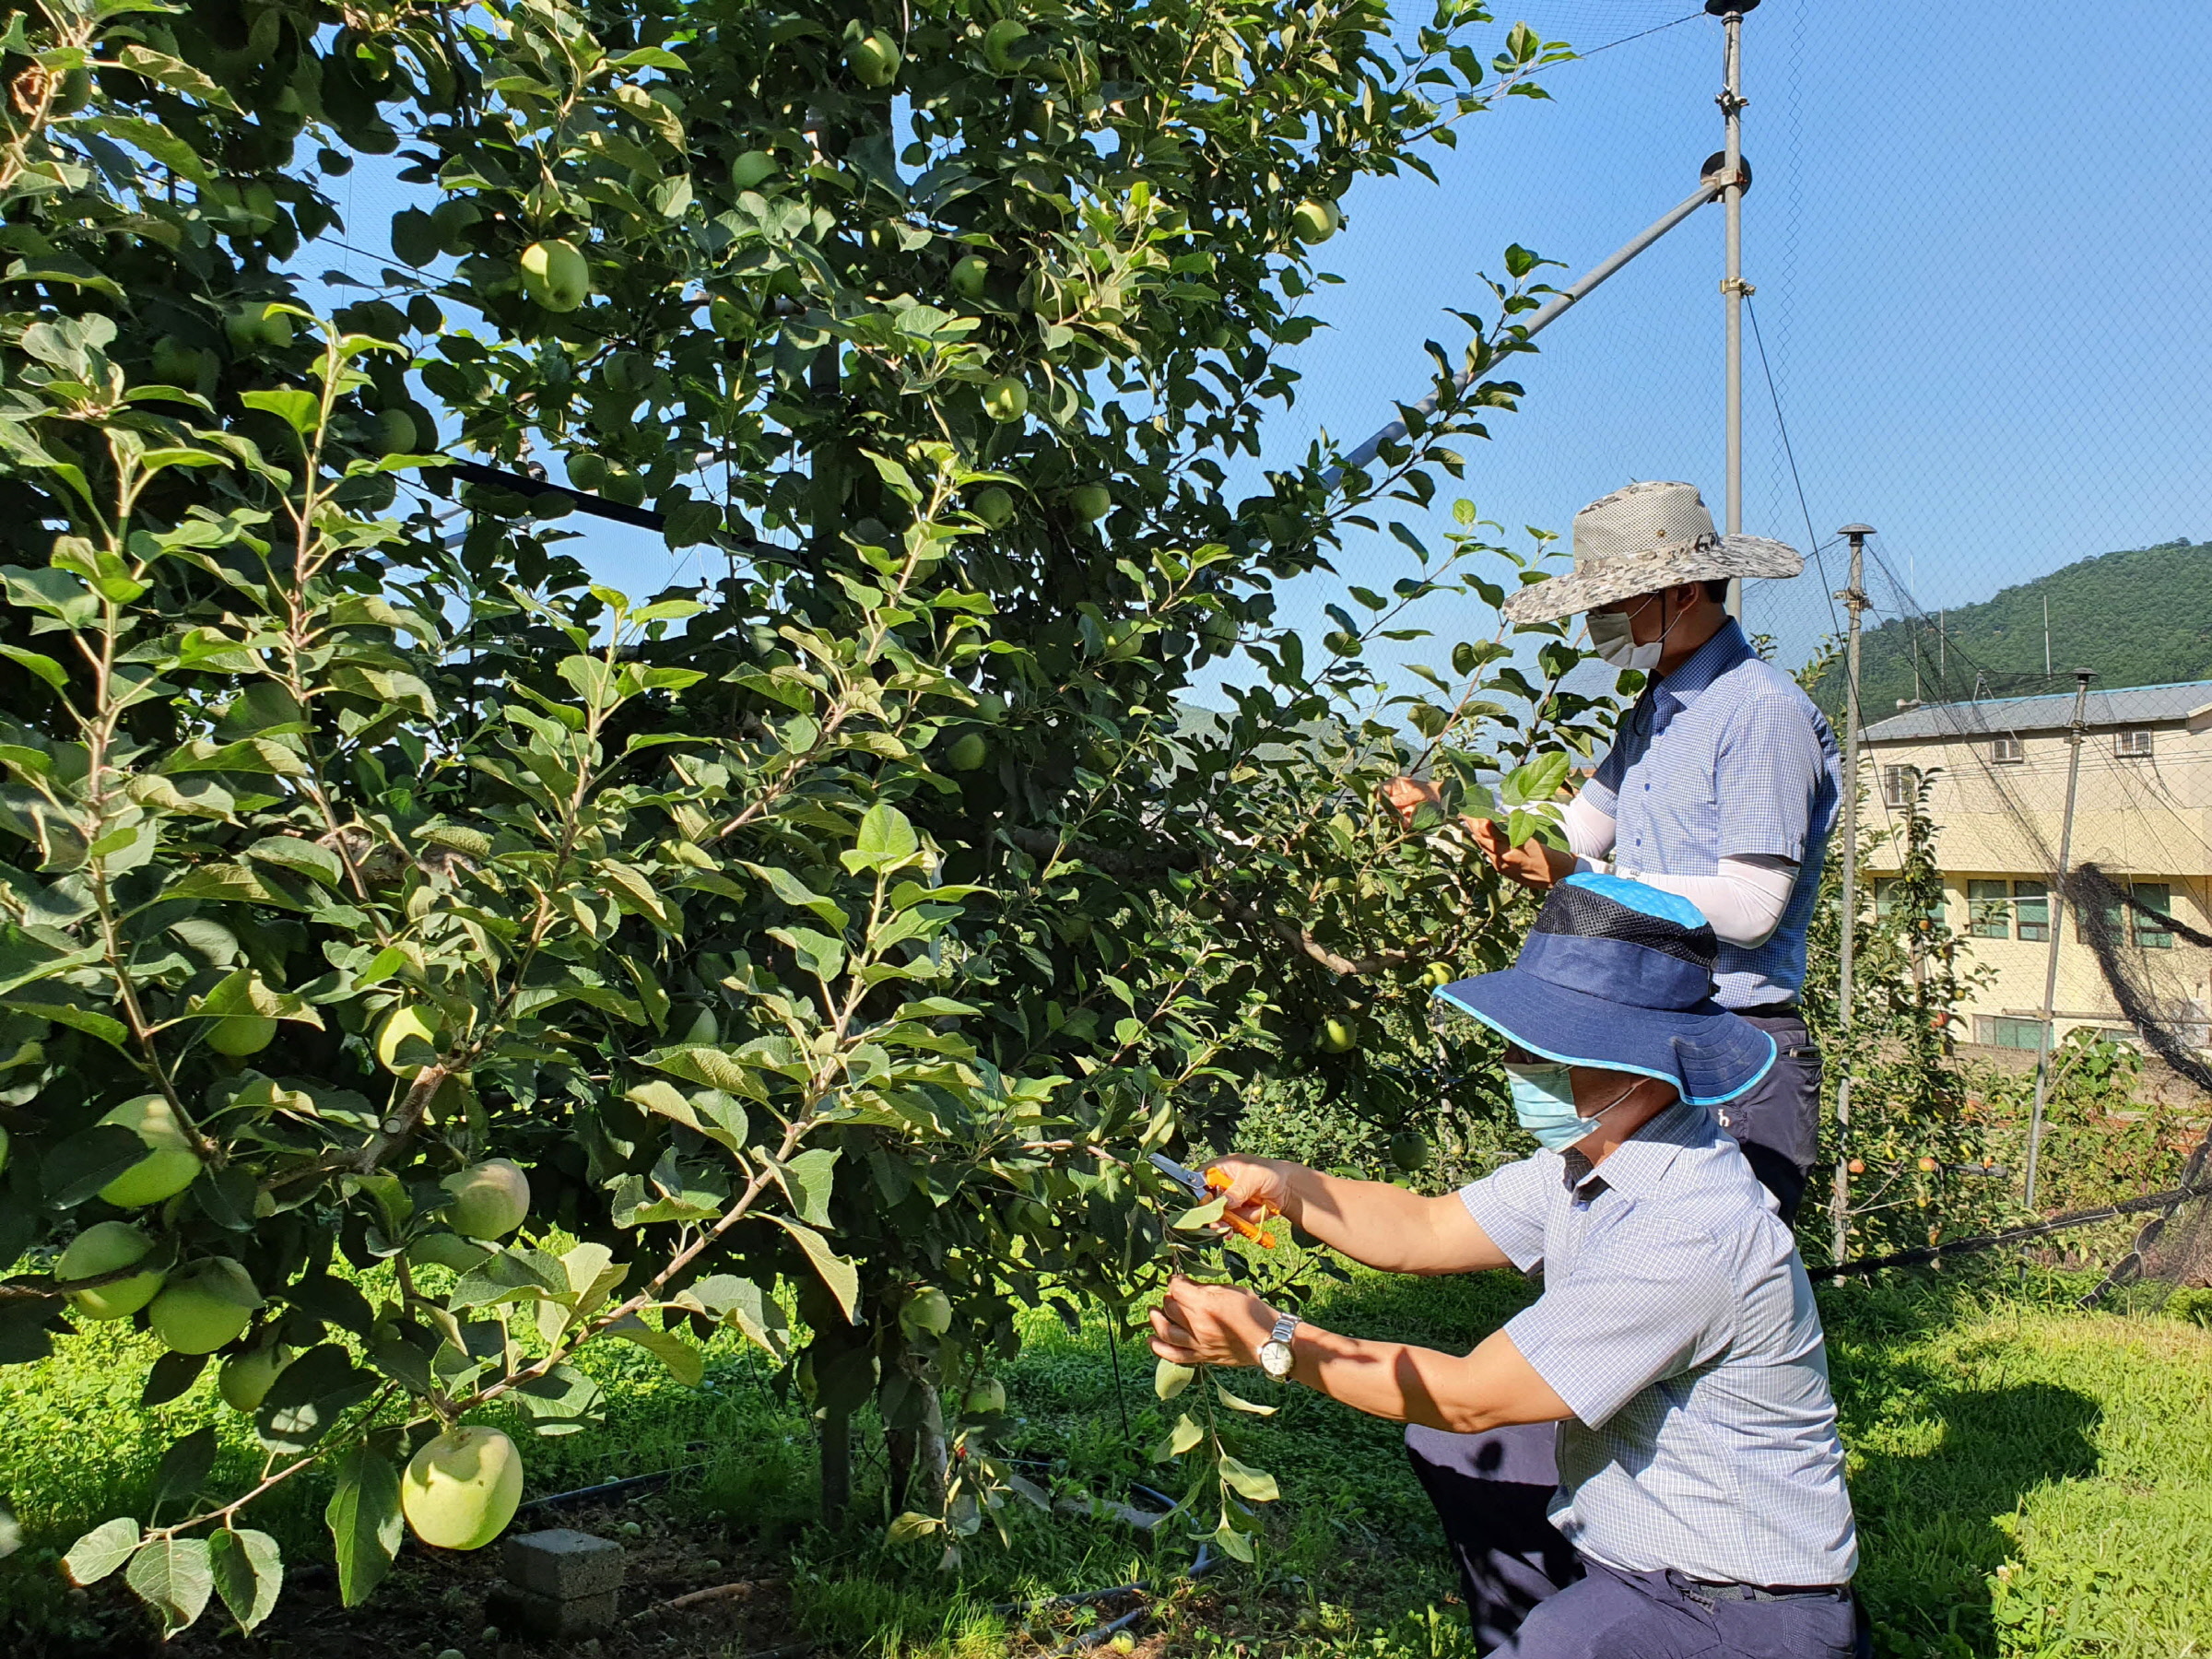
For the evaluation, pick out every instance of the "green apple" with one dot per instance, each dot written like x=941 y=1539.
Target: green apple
x=1336 y=1037
x=1315 y=221
x=624 y=486
x=175 y=363
x=747 y=171
x=985 y=1398
x=169 y=1166
x=1001 y=39
x=244 y=1380
x=1437 y=975
x=555 y=276
x=968 y=752
x=239 y=1035
x=1410 y=1150
x=971 y=272
x=395 y=433
x=874 y=58
x=461 y=1488
x=205 y=1306
x=994 y=507
x=588 y=471
x=928 y=1312
x=1090 y=502
x=408 y=1041
x=489 y=1200
x=103 y=1249
x=252 y=327
x=1006 y=399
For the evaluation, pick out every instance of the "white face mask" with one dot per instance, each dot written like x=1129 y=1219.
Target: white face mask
x=1613 y=636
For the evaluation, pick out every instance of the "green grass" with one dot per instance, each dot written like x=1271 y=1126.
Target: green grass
x=2032 y=1483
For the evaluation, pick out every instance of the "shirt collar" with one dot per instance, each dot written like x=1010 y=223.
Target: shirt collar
x=1725 y=650
x=1638 y=1165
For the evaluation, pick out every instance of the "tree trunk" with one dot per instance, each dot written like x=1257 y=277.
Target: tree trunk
x=837 y=1464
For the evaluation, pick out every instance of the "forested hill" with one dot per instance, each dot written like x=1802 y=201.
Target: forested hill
x=2140 y=617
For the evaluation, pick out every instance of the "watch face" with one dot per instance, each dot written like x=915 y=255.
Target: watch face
x=1275 y=1359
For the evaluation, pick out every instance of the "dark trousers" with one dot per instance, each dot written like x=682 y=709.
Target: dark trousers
x=1491 y=1490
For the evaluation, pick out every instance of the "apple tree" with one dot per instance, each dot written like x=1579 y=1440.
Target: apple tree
x=420 y=960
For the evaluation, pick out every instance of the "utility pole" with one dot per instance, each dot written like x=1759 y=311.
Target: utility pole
x=1855 y=601
x=2046 y=636
x=2057 y=906
x=1733 y=286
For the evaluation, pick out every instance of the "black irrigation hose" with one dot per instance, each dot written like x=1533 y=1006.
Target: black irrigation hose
x=634 y=1483
x=1933 y=1252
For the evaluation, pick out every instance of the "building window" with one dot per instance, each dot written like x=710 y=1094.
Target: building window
x=2031 y=911
x=2133 y=745
x=2123 y=923
x=1989 y=909
x=1998 y=1030
x=2157 y=896
x=1900 y=785
x=2008 y=751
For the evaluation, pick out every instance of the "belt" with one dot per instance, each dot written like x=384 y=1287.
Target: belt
x=1781 y=1010
x=1764 y=1593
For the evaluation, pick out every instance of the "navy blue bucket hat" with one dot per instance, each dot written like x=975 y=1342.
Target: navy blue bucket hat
x=1619 y=975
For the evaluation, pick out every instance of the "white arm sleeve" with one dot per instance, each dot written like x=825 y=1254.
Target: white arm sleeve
x=1589 y=832
x=1744 y=899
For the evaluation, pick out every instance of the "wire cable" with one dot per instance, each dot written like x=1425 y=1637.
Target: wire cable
x=1812 y=538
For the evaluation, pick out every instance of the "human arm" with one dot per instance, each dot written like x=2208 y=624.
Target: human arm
x=1532 y=864
x=1375 y=1222
x=1744 y=898
x=1463 y=1393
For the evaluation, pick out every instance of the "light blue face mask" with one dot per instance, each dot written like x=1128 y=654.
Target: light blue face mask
x=1544 y=1101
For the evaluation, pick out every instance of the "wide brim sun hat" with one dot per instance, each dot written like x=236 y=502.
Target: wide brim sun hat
x=1643 y=540
x=1619 y=976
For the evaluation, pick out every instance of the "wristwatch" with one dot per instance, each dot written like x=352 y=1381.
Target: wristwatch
x=1274 y=1353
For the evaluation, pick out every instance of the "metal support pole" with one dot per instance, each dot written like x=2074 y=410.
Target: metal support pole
x=1733 y=286
x=1708 y=188
x=2057 y=904
x=1854 y=600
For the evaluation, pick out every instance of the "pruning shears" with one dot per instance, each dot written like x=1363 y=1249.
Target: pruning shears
x=1203 y=1189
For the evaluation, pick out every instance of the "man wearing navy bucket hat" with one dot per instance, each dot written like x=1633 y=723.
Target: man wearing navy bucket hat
x=1700 y=1507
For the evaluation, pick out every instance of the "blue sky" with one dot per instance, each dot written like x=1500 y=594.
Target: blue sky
x=1979 y=240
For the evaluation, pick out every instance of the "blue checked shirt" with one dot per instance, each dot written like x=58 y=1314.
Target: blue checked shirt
x=1725 y=758
x=1677 y=1321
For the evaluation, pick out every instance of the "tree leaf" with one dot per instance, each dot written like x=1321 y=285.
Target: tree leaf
x=806 y=1181
x=174 y=1576
x=365 y=1521
x=1235 y=1403
x=839 y=1275
x=101 y=1550
x=887 y=839
x=1170 y=1379
x=1254 y=1484
x=308 y=1396
x=184 y=1468
x=249 y=1574
x=685 y=1364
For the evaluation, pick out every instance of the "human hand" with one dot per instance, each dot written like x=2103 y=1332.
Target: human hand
x=1256 y=1187
x=1210 y=1324
x=1532 y=864
x=1406 y=797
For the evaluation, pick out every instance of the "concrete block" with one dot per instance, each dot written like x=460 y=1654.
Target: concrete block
x=563 y=1564
x=551 y=1617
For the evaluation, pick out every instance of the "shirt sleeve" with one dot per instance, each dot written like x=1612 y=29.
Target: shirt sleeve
x=1509 y=1205
x=1601 y=788
x=1768 y=777
x=1643 y=1303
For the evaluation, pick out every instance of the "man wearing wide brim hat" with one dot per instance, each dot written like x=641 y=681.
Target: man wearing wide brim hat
x=1722 y=785
x=1700 y=1507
